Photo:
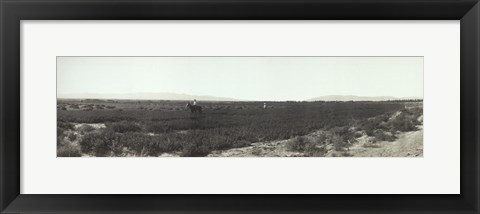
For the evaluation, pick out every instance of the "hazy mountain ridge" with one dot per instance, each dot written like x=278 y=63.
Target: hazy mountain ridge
x=175 y=96
x=359 y=98
x=145 y=96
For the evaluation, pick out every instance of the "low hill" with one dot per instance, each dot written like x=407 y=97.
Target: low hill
x=359 y=98
x=145 y=96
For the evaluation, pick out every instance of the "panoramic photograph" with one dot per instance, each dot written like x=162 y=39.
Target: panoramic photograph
x=239 y=106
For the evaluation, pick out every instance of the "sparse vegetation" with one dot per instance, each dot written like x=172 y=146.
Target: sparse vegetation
x=370 y=144
x=68 y=150
x=101 y=144
x=85 y=129
x=382 y=135
x=72 y=136
x=306 y=145
x=124 y=126
x=62 y=127
x=384 y=127
x=405 y=121
x=132 y=129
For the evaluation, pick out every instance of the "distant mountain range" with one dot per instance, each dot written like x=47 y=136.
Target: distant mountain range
x=175 y=96
x=145 y=96
x=359 y=98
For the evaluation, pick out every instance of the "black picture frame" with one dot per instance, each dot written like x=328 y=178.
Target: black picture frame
x=13 y=11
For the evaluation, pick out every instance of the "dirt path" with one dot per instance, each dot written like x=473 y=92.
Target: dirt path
x=261 y=149
x=408 y=144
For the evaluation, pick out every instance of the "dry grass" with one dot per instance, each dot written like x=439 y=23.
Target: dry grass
x=166 y=127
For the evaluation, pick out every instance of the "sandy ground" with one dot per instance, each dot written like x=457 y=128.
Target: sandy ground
x=261 y=149
x=94 y=125
x=78 y=133
x=408 y=144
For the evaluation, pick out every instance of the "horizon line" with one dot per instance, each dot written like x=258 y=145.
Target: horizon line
x=227 y=99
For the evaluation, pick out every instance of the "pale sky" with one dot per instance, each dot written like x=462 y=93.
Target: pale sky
x=245 y=78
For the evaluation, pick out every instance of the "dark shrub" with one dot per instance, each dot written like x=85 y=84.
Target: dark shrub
x=371 y=144
x=140 y=144
x=157 y=127
x=102 y=144
x=404 y=123
x=368 y=126
x=338 y=143
x=305 y=145
x=322 y=138
x=60 y=132
x=357 y=134
x=88 y=142
x=240 y=143
x=62 y=127
x=298 y=144
x=371 y=124
x=85 y=128
x=68 y=150
x=124 y=126
x=381 y=135
x=135 y=141
x=161 y=144
x=60 y=141
x=65 y=125
x=196 y=148
x=345 y=134
x=314 y=150
x=72 y=136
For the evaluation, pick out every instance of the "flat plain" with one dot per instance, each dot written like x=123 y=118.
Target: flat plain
x=162 y=128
